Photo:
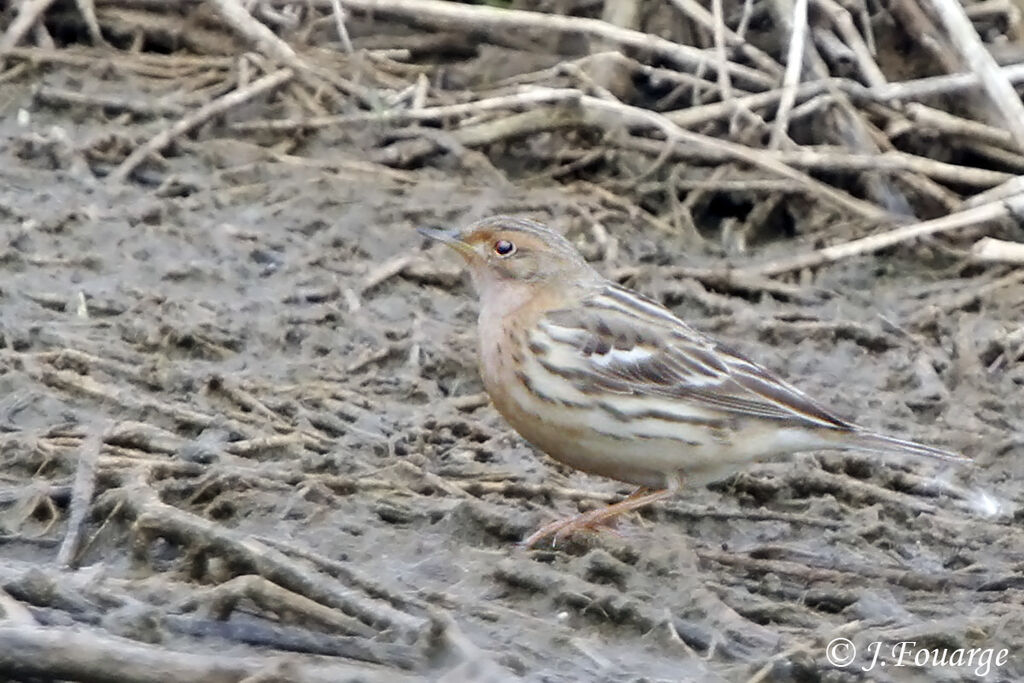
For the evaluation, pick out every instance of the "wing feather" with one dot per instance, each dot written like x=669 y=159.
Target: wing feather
x=623 y=343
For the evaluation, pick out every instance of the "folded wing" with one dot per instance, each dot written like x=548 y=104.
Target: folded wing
x=621 y=342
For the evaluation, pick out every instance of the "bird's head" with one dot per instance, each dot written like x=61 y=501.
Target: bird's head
x=513 y=255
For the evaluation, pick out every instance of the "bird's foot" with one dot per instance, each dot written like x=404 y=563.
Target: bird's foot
x=593 y=520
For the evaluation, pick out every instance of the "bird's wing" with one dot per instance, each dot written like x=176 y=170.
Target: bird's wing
x=618 y=341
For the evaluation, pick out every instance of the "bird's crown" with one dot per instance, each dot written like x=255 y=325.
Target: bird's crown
x=510 y=248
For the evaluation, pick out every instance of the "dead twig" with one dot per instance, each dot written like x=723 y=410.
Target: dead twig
x=74 y=653
x=724 y=83
x=891 y=161
x=611 y=114
x=956 y=125
x=694 y=10
x=197 y=118
x=1011 y=187
x=794 y=68
x=222 y=600
x=847 y=30
x=63 y=97
x=1013 y=206
x=339 y=20
x=904 y=90
x=397 y=116
x=260 y=35
x=81 y=495
x=29 y=12
x=88 y=10
x=978 y=59
x=154 y=519
x=493 y=20
x=990 y=249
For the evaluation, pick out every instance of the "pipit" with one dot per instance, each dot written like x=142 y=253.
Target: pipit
x=611 y=382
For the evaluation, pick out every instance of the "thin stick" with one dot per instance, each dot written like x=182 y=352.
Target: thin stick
x=457 y=17
x=138 y=62
x=829 y=160
x=147 y=107
x=695 y=11
x=893 y=160
x=955 y=125
x=339 y=19
x=940 y=85
x=748 y=11
x=14 y=72
x=599 y=109
x=967 y=42
x=519 y=100
x=692 y=117
x=81 y=495
x=724 y=84
x=1000 y=251
x=200 y=116
x=906 y=90
x=1014 y=206
x=1010 y=188
x=88 y=11
x=84 y=653
x=830 y=45
x=849 y=33
x=265 y=40
x=28 y=13
x=865 y=26
x=42 y=36
x=794 y=68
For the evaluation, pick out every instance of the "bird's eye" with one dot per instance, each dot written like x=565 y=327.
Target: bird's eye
x=504 y=248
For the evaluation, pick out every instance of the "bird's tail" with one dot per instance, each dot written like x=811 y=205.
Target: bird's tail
x=872 y=441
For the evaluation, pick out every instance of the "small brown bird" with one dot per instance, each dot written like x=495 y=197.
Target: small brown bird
x=610 y=382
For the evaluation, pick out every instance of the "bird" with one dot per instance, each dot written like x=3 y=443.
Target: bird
x=613 y=383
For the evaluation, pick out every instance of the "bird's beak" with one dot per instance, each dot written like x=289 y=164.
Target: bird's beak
x=449 y=237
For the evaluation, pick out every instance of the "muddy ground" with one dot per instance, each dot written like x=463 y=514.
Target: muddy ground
x=270 y=380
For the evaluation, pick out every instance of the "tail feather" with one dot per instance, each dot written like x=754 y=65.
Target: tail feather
x=872 y=441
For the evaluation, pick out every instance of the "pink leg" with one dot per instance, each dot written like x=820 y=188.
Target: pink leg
x=595 y=518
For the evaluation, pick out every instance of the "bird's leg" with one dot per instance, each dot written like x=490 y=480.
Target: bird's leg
x=637 y=492
x=596 y=518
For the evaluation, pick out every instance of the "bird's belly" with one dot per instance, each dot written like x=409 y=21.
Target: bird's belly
x=645 y=451
x=586 y=438
x=585 y=450
x=644 y=440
